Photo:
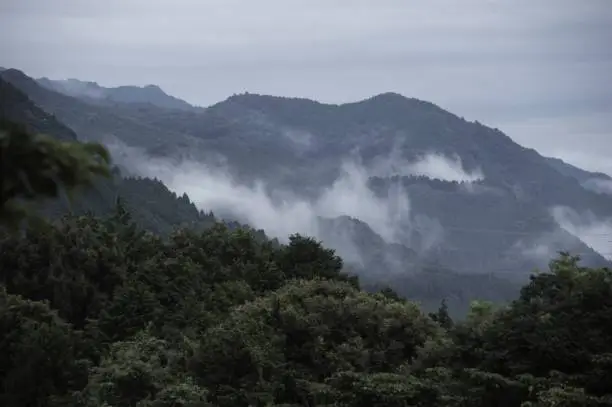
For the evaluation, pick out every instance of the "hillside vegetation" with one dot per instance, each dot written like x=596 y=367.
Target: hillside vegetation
x=156 y=209
x=300 y=148
x=95 y=311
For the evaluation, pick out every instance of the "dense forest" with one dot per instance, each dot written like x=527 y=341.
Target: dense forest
x=97 y=311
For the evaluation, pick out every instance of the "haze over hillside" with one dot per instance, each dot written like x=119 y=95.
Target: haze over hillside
x=92 y=92
x=396 y=185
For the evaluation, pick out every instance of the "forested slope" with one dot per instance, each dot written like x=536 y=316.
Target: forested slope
x=96 y=312
x=158 y=210
x=299 y=148
x=155 y=207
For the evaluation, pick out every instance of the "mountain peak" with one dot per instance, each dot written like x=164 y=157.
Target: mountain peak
x=92 y=91
x=397 y=99
x=389 y=96
x=154 y=87
x=386 y=99
x=247 y=96
x=15 y=74
x=261 y=102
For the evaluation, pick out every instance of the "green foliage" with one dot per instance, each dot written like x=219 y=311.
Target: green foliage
x=38 y=353
x=110 y=280
x=283 y=344
x=442 y=317
x=37 y=166
x=142 y=372
x=95 y=311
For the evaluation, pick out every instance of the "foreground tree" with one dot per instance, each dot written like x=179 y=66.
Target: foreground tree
x=143 y=372
x=35 y=167
x=283 y=348
x=39 y=354
x=550 y=347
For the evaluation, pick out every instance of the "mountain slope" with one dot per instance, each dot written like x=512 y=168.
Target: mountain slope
x=153 y=205
x=490 y=211
x=157 y=209
x=575 y=172
x=15 y=106
x=500 y=216
x=90 y=122
x=593 y=181
x=92 y=92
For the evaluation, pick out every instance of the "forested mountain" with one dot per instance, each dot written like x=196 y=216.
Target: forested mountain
x=490 y=204
x=89 y=121
x=16 y=107
x=94 y=93
x=158 y=209
x=397 y=186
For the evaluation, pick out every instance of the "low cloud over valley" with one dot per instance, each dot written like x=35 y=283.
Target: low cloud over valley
x=281 y=213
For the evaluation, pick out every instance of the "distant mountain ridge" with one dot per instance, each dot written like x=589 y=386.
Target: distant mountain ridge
x=490 y=225
x=92 y=92
x=92 y=121
x=16 y=107
x=575 y=172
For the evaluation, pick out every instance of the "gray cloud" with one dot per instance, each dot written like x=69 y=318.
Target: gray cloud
x=432 y=165
x=594 y=231
x=280 y=213
x=537 y=70
x=440 y=167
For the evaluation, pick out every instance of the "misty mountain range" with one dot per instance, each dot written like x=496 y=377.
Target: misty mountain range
x=96 y=94
x=398 y=186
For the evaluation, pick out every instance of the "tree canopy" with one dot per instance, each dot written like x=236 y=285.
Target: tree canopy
x=36 y=166
x=97 y=312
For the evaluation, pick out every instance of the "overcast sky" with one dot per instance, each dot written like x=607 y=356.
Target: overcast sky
x=540 y=70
